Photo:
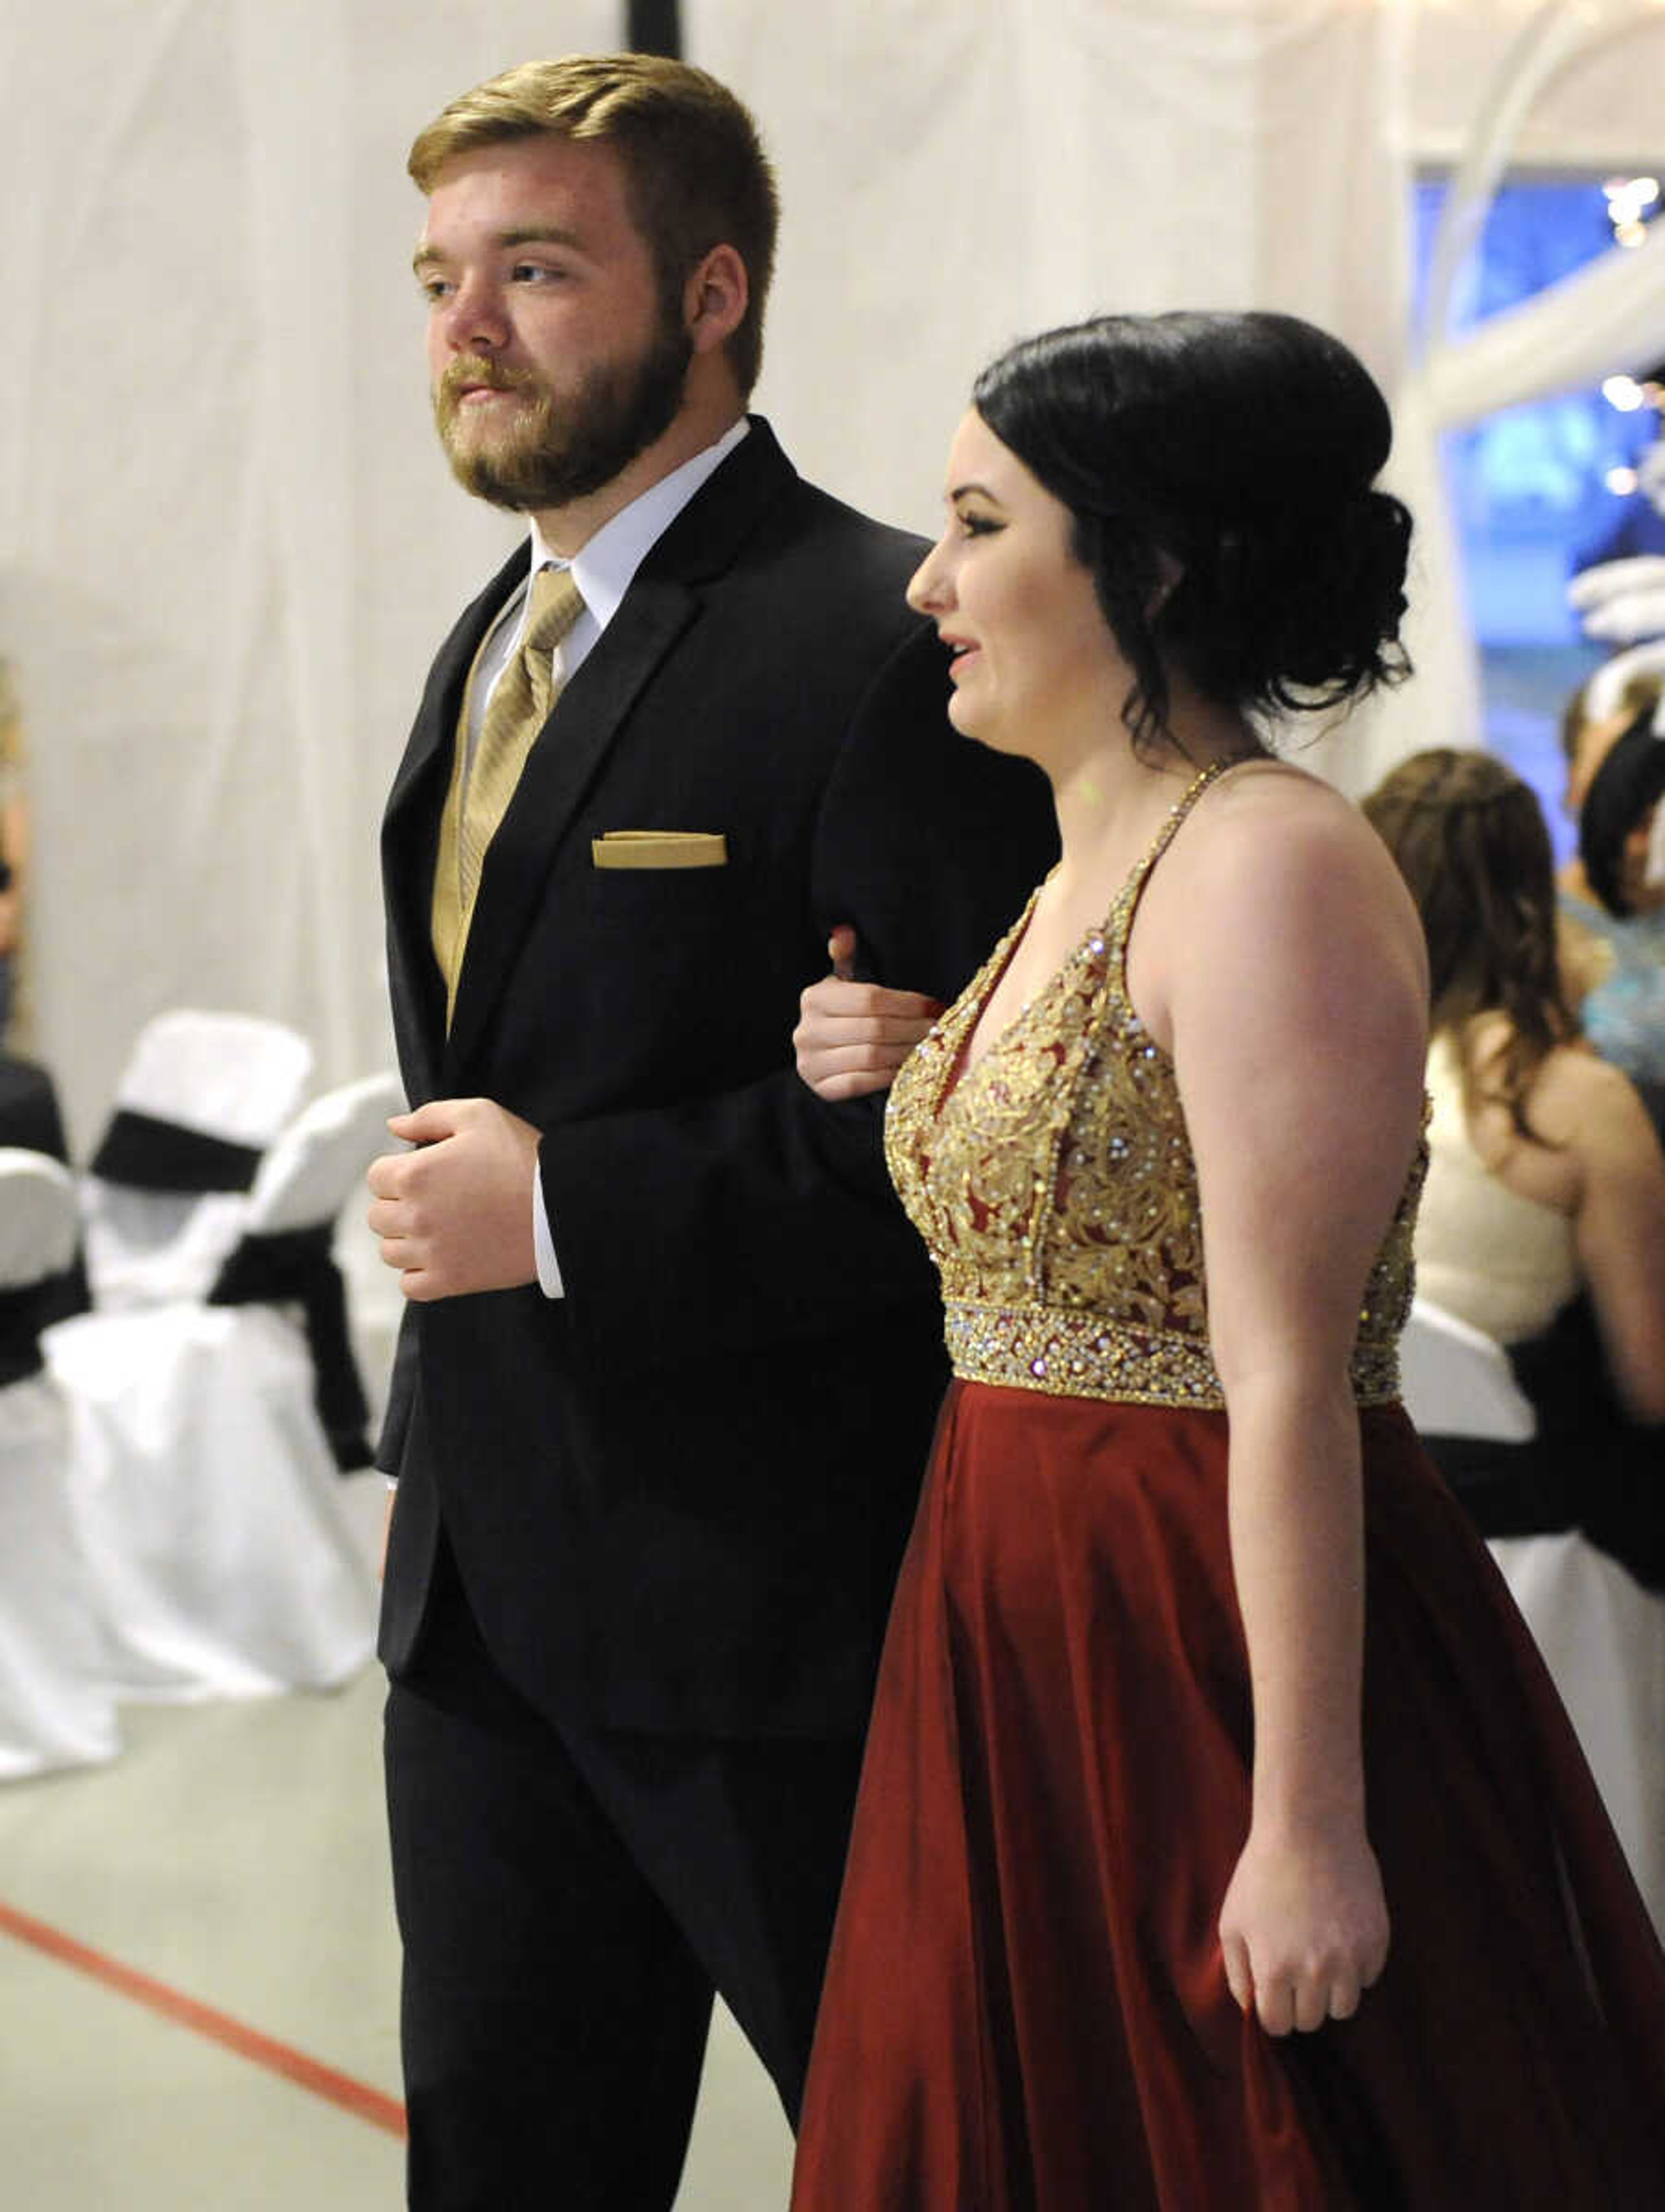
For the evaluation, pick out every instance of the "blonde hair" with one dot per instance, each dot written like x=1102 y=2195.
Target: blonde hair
x=694 y=166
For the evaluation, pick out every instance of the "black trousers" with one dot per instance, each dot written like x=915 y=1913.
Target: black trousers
x=568 y=1901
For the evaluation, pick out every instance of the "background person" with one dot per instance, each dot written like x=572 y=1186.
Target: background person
x=654 y=1478
x=1543 y=1221
x=1613 y=889
x=1203 y=1717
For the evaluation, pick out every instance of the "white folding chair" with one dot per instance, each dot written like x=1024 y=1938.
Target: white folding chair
x=206 y=1481
x=1601 y=1633
x=56 y=1707
x=285 y=1254
x=202 y=1097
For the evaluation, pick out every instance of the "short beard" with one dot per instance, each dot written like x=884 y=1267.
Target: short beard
x=558 y=451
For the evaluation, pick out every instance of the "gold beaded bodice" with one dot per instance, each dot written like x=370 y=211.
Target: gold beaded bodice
x=1054 y=1183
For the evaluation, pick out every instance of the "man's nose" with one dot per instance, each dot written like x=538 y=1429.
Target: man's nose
x=473 y=319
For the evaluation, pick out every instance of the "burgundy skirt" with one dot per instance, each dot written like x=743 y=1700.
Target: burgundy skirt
x=1026 y=2006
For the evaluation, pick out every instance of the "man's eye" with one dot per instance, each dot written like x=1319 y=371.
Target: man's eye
x=536 y=272
x=435 y=289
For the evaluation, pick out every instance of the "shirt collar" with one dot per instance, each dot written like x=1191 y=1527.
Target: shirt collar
x=603 y=569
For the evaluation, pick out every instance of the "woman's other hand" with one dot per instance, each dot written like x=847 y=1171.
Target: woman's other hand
x=1304 y=1930
x=852 y=1037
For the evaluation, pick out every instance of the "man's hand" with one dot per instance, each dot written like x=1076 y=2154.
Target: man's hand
x=455 y=1215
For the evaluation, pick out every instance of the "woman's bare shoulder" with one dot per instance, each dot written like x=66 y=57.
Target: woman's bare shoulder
x=1580 y=1100
x=1273 y=844
x=1282 y=922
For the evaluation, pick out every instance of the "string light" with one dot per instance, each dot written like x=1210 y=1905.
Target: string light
x=1627 y=197
x=1629 y=201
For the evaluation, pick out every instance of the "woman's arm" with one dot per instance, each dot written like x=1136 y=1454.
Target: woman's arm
x=1287 y=965
x=1620 y=1226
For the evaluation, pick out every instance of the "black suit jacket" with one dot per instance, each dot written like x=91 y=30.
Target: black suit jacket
x=678 y=1496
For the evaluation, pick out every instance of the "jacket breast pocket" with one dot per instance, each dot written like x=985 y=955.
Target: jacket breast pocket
x=664 y=923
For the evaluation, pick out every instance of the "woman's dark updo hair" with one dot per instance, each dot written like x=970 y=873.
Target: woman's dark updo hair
x=1627 y=788
x=1243 y=447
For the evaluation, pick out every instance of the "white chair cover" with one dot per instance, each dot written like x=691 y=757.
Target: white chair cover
x=1601 y=1633
x=299 y=1191
x=37 y=1228
x=214 y=1512
x=1457 y=1380
x=1602 y=1636
x=56 y=1708
x=313 y=1168
x=236 y=1077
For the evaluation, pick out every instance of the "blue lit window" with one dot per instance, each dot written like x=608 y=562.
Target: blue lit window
x=1538 y=491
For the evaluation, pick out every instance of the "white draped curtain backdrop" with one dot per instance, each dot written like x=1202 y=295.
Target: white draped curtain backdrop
x=228 y=545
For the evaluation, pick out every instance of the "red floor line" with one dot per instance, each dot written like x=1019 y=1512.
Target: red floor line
x=355 y=2097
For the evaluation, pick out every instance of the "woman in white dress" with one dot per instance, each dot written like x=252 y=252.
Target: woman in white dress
x=1545 y=1178
x=1543 y=1223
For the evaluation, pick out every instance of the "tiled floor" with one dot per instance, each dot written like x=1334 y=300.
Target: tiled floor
x=233 y=1855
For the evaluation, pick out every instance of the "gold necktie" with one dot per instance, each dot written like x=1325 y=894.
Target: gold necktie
x=517 y=709
x=480 y=791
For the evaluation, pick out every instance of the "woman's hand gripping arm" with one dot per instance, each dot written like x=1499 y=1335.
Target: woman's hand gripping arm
x=852 y=1037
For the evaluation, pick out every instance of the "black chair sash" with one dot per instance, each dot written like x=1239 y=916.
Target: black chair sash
x=29 y=1114
x=295 y=1266
x=20 y=1324
x=62 y=1296
x=151 y=1154
x=1587 y=1468
x=1618 y=1464
x=1507 y=1490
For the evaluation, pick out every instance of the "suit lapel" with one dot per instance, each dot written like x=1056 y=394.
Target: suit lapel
x=409 y=837
x=434 y=731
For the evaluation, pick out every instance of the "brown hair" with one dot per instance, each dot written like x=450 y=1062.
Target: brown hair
x=1574 y=716
x=1471 y=841
x=694 y=166
x=1640 y=696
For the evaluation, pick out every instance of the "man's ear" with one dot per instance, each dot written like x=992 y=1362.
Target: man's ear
x=714 y=299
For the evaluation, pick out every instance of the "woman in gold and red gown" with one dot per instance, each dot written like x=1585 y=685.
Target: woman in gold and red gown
x=1221 y=1843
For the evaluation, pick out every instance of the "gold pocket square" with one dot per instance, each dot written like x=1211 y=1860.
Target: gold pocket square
x=660 y=848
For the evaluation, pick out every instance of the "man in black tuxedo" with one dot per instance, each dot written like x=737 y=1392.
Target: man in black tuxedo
x=672 y=1354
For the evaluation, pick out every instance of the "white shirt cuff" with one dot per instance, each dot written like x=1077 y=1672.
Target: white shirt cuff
x=549 y=1268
